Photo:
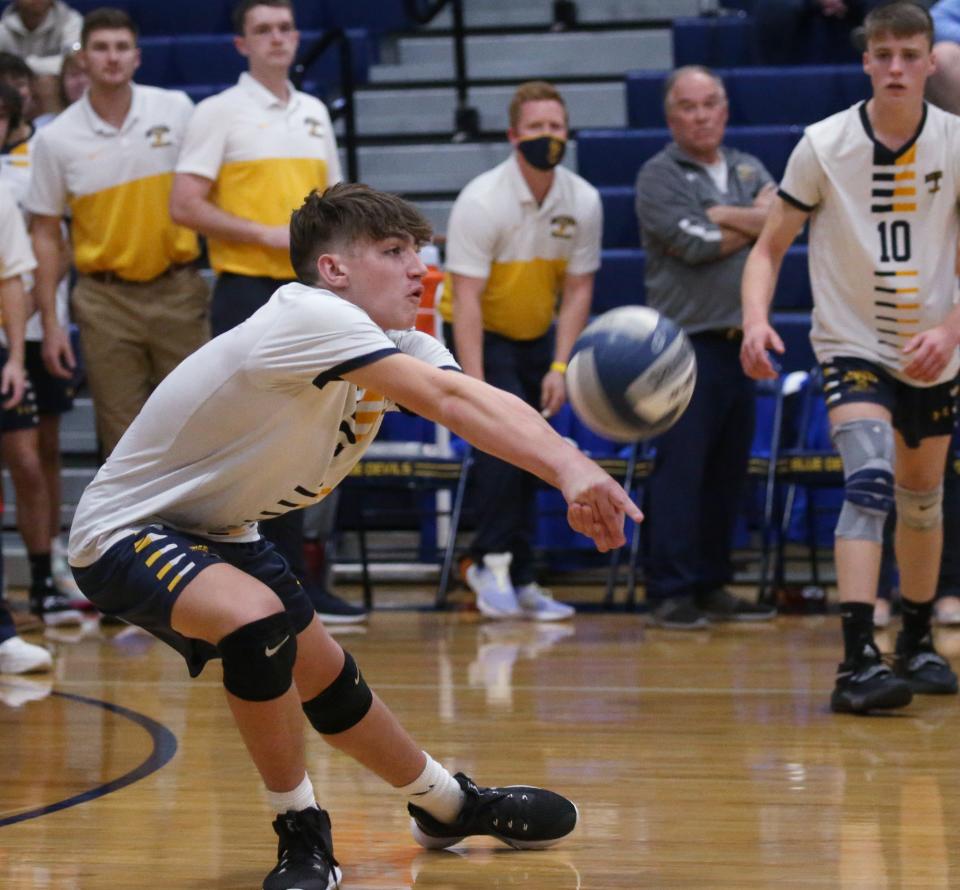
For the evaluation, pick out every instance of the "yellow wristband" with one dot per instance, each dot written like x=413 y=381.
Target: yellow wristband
x=559 y=367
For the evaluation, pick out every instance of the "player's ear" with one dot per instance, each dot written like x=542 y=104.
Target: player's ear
x=331 y=272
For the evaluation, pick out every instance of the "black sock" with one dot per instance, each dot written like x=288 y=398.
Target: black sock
x=916 y=620
x=857 y=621
x=40 y=571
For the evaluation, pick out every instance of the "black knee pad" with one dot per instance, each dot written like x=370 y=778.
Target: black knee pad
x=258 y=658
x=344 y=703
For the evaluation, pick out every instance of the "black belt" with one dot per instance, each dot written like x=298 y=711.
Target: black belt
x=108 y=277
x=731 y=335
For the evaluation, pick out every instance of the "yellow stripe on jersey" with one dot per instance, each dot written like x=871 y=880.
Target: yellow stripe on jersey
x=904 y=174
x=905 y=190
x=907 y=290
x=908 y=157
x=267 y=190
x=904 y=208
x=520 y=297
x=127 y=230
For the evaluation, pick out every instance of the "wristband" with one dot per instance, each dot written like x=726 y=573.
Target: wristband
x=559 y=367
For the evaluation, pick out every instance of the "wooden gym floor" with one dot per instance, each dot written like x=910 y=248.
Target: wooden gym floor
x=698 y=760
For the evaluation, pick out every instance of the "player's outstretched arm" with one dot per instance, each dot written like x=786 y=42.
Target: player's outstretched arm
x=759 y=279
x=506 y=427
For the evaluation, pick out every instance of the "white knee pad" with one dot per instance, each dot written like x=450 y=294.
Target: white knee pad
x=920 y=509
x=866 y=449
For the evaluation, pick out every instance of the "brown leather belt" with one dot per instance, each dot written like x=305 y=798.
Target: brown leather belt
x=108 y=277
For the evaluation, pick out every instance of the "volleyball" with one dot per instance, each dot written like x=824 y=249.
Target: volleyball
x=631 y=374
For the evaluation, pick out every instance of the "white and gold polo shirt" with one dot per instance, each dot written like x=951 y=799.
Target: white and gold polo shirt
x=264 y=157
x=115 y=184
x=524 y=251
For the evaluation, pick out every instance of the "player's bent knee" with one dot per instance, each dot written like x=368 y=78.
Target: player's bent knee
x=343 y=704
x=866 y=449
x=258 y=658
x=921 y=510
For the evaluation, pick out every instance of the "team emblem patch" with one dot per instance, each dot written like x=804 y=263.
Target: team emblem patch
x=159 y=136
x=562 y=226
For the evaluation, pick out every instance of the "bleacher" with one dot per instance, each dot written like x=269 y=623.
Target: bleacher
x=406 y=99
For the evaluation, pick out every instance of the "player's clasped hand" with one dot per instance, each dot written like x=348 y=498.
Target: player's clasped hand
x=758 y=339
x=929 y=353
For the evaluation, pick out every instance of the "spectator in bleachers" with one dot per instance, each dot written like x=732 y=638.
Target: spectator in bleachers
x=700 y=205
x=790 y=32
x=520 y=237
x=17 y=656
x=73 y=80
x=943 y=87
x=249 y=157
x=41 y=32
x=15 y=72
x=30 y=439
x=107 y=162
x=879 y=185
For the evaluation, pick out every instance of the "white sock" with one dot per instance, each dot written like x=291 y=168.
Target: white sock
x=300 y=798
x=435 y=791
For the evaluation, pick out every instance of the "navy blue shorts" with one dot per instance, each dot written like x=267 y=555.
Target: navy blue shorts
x=918 y=412
x=54 y=394
x=140 y=577
x=23 y=415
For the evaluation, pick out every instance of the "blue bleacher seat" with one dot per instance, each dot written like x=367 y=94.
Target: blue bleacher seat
x=619 y=282
x=170 y=17
x=197 y=61
x=722 y=42
x=790 y=95
x=619 y=216
x=613 y=157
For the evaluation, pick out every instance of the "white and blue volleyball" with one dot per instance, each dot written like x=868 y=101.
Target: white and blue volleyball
x=631 y=374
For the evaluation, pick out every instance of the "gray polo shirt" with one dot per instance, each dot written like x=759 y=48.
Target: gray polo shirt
x=685 y=278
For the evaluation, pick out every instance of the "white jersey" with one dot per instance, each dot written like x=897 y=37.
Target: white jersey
x=883 y=234
x=252 y=425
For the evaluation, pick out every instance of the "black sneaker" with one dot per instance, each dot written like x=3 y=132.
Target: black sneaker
x=333 y=610
x=927 y=672
x=867 y=684
x=521 y=816
x=721 y=605
x=304 y=854
x=51 y=606
x=679 y=613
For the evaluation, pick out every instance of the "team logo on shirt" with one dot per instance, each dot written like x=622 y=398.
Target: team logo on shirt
x=562 y=226
x=933 y=181
x=314 y=127
x=745 y=173
x=158 y=136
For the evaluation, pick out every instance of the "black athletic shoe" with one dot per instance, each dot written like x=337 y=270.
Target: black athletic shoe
x=331 y=609
x=679 y=613
x=521 y=816
x=305 y=853
x=721 y=605
x=51 y=606
x=927 y=672
x=866 y=684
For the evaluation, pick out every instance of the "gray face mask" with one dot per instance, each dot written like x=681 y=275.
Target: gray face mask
x=543 y=152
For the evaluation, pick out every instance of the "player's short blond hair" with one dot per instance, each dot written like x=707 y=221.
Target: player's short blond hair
x=349 y=213
x=900 y=19
x=534 y=91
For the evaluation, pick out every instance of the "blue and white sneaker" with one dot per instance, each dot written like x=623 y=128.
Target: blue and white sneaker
x=539 y=605
x=496 y=597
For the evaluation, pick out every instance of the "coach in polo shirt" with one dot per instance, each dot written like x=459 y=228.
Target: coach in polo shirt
x=523 y=245
x=251 y=155
x=107 y=163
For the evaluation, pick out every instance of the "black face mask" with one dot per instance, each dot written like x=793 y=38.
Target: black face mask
x=543 y=152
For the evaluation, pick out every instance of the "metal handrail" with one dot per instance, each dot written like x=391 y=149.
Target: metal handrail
x=466 y=120
x=345 y=107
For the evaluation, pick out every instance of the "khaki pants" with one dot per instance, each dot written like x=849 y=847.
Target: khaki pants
x=132 y=336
